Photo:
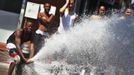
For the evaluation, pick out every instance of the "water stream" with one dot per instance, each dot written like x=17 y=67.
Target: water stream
x=92 y=47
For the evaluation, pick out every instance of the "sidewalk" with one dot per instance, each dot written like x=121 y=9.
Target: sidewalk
x=8 y=23
x=4 y=64
x=3 y=68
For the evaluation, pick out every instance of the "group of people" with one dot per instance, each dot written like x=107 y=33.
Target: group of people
x=102 y=13
x=23 y=44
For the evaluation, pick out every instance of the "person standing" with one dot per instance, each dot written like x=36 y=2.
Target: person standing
x=67 y=15
x=101 y=14
x=127 y=13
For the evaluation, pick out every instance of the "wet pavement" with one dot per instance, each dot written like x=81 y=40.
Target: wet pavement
x=4 y=62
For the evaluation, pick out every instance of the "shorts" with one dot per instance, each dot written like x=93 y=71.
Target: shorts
x=13 y=53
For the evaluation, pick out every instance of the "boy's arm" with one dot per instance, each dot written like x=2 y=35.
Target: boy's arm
x=62 y=9
x=31 y=53
x=45 y=18
x=31 y=50
x=18 y=42
x=49 y=18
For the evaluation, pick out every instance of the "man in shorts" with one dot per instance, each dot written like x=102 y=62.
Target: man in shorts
x=20 y=47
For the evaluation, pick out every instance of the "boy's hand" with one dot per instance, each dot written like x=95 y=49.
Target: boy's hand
x=25 y=60
x=67 y=1
x=29 y=61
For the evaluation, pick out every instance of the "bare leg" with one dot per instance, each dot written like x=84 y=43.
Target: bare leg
x=11 y=68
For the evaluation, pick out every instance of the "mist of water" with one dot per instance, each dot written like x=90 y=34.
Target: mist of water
x=92 y=47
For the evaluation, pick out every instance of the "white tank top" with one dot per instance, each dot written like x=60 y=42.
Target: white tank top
x=68 y=20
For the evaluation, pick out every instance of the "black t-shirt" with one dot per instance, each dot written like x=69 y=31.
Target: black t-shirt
x=25 y=36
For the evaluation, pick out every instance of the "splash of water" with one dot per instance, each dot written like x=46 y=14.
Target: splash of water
x=90 y=48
